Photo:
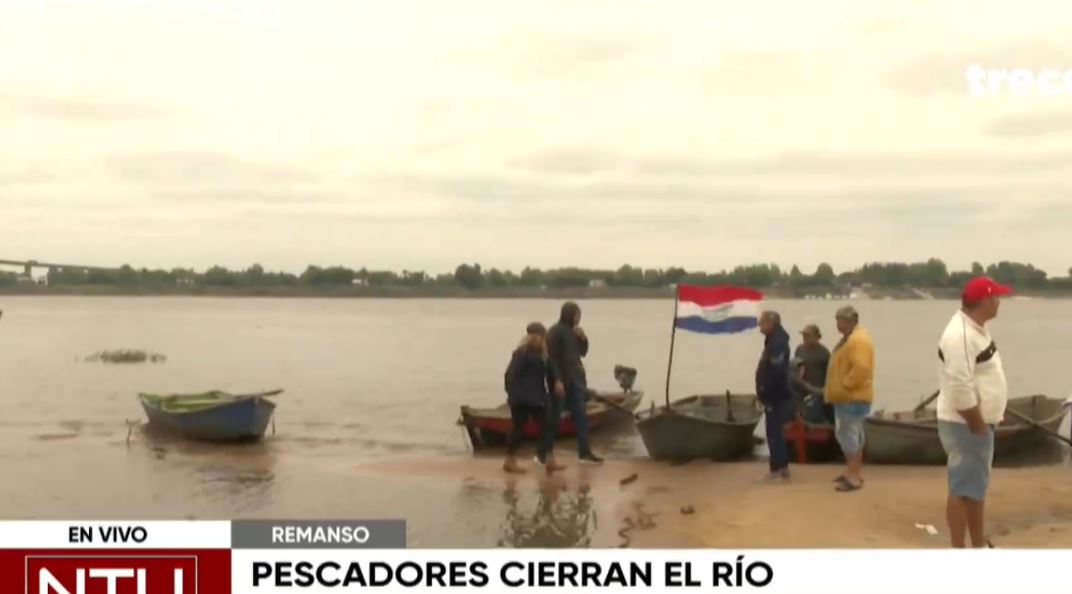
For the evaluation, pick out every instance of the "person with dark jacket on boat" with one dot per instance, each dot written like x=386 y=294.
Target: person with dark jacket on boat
x=528 y=379
x=567 y=344
x=772 y=388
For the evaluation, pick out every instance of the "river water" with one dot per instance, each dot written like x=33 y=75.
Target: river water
x=370 y=380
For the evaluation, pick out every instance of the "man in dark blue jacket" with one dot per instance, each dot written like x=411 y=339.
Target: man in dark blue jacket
x=772 y=387
x=567 y=344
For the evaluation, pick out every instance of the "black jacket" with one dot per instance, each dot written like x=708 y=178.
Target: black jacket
x=772 y=373
x=564 y=349
x=528 y=378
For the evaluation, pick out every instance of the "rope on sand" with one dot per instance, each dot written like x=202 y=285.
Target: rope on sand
x=644 y=521
x=630 y=525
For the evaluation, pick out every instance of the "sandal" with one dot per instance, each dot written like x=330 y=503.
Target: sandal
x=840 y=478
x=845 y=486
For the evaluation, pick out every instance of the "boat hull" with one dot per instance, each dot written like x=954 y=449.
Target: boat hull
x=907 y=438
x=239 y=421
x=700 y=428
x=489 y=428
x=811 y=443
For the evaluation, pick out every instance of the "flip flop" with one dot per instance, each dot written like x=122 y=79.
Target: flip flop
x=845 y=486
x=839 y=478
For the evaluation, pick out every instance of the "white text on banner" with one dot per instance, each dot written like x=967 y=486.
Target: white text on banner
x=119 y=534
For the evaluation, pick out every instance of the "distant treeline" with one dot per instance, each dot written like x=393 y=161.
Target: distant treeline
x=932 y=274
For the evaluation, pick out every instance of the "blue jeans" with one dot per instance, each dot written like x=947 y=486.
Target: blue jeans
x=849 y=426
x=776 y=415
x=574 y=401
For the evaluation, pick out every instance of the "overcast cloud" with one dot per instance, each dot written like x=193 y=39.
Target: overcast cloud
x=420 y=134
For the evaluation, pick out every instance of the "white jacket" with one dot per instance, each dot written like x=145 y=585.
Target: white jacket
x=970 y=372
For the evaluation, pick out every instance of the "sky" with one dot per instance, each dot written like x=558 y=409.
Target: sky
x=421 y=134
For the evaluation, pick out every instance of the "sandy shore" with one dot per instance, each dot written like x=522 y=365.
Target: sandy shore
x=707 y=505
x=458 y=500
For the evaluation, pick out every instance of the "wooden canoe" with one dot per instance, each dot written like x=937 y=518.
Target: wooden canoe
x=211 y=416
x=701 y=427
x=910 y=437
x=489 y=427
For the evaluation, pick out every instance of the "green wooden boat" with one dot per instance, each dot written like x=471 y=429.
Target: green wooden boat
x=698 y=427
x=910 y=437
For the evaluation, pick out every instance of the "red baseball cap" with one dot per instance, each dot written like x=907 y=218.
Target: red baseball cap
x=981 y=287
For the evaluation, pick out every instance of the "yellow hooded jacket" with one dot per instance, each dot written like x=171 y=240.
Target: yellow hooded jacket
x=851 y=374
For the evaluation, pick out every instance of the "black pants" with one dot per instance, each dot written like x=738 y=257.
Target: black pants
x=520 y=415
x=575 y=401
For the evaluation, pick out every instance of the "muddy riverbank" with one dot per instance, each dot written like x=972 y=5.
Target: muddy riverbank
x=707 y=505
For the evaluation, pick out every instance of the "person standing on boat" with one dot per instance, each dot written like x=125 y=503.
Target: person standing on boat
x=567 y=344
x=850 y=388
x=772 y=388
x=972 y=398
x=810 y=362
x=528 y=378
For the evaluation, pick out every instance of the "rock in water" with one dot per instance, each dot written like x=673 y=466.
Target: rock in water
x=126 y=356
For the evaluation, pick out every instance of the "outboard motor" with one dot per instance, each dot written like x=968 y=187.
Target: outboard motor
x=626 y=377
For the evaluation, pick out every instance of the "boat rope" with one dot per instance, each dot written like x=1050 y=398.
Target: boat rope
x=130 y=430
x=273 y=425
x=643 y=521
x=624 y=533
x=465 y=441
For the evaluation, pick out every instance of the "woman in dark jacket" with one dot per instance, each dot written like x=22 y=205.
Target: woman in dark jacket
x=527 y=380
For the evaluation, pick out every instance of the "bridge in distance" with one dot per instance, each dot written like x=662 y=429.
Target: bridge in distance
x=29 y=265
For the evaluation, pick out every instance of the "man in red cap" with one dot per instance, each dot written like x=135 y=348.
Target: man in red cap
x=971 y=401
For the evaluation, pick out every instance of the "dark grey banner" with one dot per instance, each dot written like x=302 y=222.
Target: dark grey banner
x=318 y=534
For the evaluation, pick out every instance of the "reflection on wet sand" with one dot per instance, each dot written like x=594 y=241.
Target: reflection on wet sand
x=560 y=518
x=242 y=474
x=55 y=436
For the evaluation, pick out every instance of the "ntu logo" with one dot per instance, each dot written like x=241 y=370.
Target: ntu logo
x=136 y=574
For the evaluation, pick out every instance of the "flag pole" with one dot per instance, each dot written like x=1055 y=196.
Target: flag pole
x=673 y=334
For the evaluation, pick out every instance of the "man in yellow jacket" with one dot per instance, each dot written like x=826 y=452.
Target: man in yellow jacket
x=850 y=388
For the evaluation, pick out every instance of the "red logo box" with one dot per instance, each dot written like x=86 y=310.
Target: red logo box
x=99 y=574
x=173 y=571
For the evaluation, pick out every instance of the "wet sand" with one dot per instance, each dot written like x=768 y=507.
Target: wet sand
x=466 y=501
x=707 y=505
